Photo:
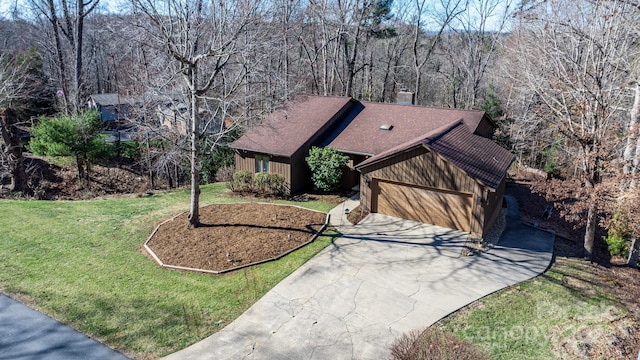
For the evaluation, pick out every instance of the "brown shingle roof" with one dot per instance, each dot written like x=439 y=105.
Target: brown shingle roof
x=364 y=136
x=290 y=127
x=479 y=157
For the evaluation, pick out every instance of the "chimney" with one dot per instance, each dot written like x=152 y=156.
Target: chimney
x=406 y=97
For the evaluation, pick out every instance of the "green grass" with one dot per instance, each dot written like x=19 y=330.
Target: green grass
x=80 y=262
x=530 y=320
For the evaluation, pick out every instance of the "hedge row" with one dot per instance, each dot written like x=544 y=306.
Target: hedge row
x=260 y=183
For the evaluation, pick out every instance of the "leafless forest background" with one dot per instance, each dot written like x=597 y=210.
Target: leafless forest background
x=559 y=77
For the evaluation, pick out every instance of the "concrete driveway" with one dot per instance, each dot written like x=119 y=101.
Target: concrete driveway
x=382 y=278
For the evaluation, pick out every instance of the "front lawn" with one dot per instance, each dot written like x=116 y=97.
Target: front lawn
x=80 y=262
x=576 y=310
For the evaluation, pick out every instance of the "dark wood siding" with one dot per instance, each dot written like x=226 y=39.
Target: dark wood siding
x=351 y=176
x=485 y=128
x=246 y=161
x=422 y=167
x=300 y=173
x=494 y=205
x=444 y=208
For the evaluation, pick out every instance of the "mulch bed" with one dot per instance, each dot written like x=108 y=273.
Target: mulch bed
x=249 y=233
x=356 y=215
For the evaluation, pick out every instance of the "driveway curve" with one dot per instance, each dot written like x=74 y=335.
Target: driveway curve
x=378 y=280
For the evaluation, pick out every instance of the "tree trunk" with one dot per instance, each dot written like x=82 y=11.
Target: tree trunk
x=53 y=18
x=169 y=176
x=77 y=76
x=351 y=62
x=590 y=231
x=194 y=212
x=81 y=166
x=8 y=120
x=632 y=261
x=416 y=61
x=150 y=163
x=631 y=153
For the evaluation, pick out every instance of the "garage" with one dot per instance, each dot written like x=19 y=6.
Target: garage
x=451 y=178
x=433 y=206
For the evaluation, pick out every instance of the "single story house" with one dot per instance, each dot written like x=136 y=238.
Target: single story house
x=111 y=106
x=428 y=164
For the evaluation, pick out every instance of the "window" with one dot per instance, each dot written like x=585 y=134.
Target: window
x=262 y=163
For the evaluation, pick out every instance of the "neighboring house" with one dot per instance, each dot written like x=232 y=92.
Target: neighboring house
x=112 y=107
x=173 y=116
x=176 y=115
x=433 y=165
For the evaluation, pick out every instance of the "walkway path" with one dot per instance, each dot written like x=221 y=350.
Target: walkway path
x=380 y=279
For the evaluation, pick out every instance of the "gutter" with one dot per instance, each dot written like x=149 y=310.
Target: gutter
x=261 y=152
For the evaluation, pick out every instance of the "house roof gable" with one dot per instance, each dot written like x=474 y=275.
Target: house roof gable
x=479 y=157
x=288 y=128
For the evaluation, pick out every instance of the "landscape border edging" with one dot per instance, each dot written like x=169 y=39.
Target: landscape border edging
x=218 y=272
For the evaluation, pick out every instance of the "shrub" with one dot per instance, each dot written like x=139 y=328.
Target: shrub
x=552 y=163
x=277 y=185
x=116 y=151
x=434 y=343
x=619 y=235
x=261 y=182
x=492 y=104
x=130 y=150
x=326 y=166
x=242 y=181
x=75 y=135
x=269 y=184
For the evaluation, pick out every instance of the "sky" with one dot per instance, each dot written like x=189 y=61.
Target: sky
x=24 y=8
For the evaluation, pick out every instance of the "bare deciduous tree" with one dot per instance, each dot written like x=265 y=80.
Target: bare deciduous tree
x=423 y=46
x=12 y=87
x=202 y=38
x=67 y=21
x=575 y=58
x=631 y=154
x=471 y=46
